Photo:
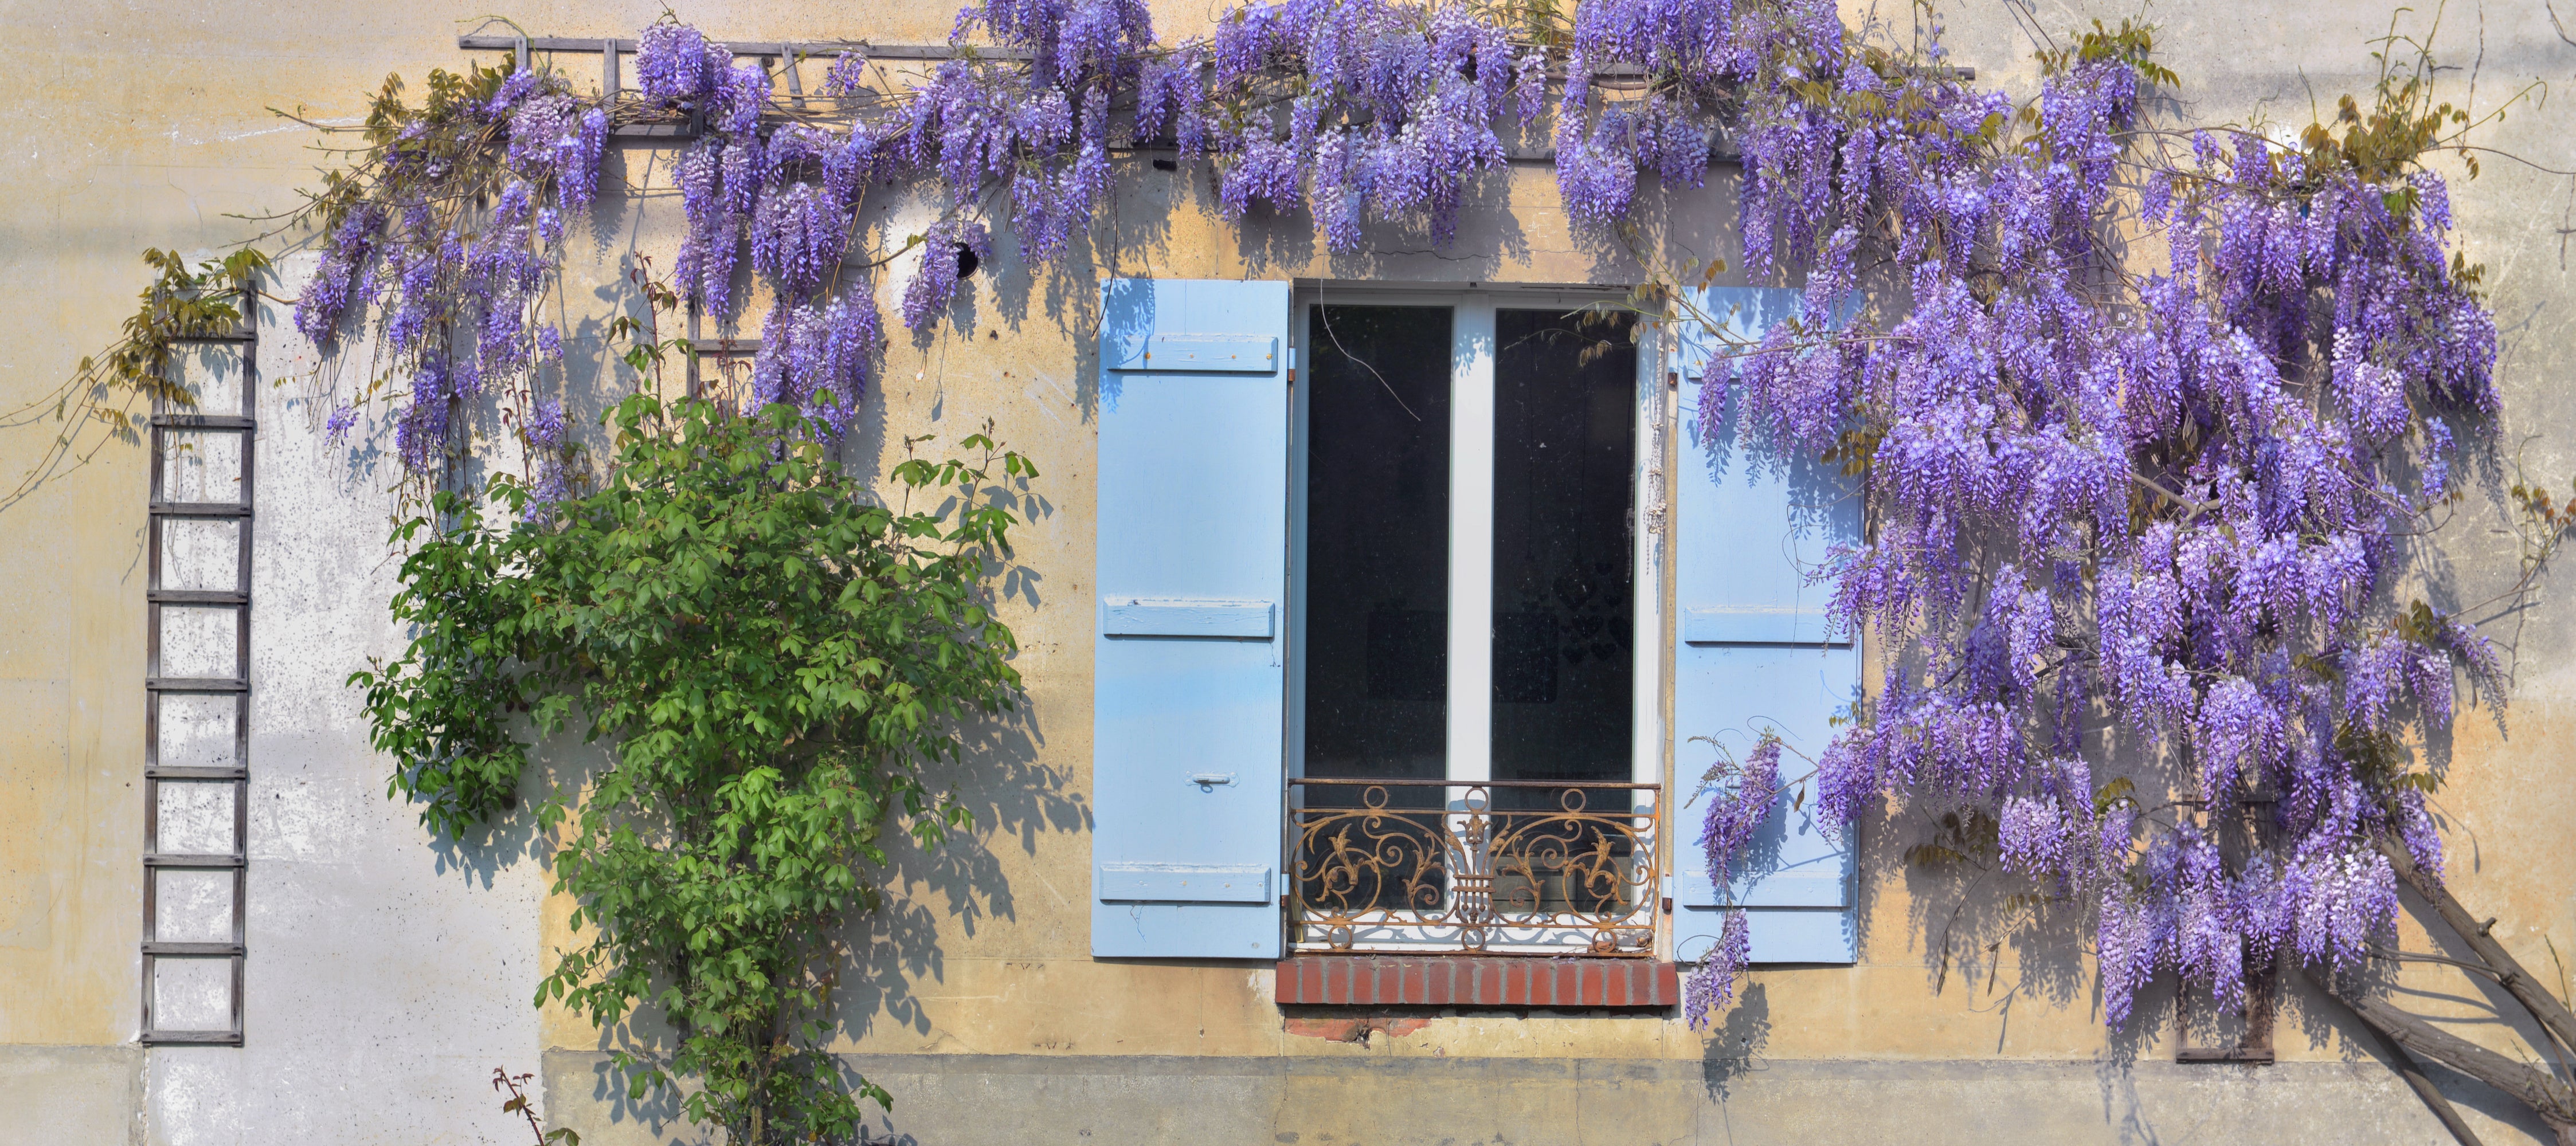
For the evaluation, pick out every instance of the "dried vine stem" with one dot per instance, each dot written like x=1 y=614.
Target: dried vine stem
x=520 y=1104
x=101 y=395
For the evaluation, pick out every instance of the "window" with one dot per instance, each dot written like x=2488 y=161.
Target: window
x=1464 y=629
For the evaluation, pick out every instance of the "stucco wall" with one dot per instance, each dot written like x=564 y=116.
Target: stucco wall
x=390 y=972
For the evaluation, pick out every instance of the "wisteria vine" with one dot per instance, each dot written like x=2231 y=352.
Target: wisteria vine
x=2121 y=521
x=442 y=235
x=2135 y=539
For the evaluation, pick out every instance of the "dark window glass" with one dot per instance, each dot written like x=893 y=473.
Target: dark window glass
x=1377 y=546
x=1565 y=394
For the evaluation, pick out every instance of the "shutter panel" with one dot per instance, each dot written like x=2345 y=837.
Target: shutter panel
x=1188 y=693
x=1750 y=654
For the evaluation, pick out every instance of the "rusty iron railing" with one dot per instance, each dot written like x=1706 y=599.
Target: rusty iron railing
x=1538 y=867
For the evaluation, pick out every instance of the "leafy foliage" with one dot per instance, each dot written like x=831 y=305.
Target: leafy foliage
x=779 y=667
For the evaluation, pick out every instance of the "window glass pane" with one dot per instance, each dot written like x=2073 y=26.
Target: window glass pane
x=1377 y=546
x=1565 y=389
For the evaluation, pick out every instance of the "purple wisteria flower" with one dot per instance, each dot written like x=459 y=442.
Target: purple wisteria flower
x=337 y=429
x=453 y=286
x=944 y=252
x=547 y=439
x=1712 y=984
x=1739 y=810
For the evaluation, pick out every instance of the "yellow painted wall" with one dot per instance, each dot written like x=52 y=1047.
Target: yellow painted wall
x=147 y=128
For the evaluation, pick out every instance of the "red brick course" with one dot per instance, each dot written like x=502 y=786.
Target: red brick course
x=1451 y=981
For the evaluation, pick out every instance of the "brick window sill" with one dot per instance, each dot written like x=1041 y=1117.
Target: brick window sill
x=1476 y=981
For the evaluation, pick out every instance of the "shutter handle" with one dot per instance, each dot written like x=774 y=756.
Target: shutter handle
x=1207 y=781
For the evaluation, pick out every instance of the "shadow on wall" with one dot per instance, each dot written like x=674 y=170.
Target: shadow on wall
x=959 y=884
x=1734 y=1048
x=1015 y=800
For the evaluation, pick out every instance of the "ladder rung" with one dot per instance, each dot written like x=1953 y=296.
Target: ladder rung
x=191 y=1038
x=204 y=422
x=193 y=950
x=183 y=772
x=198 y=509
x=197 y=597
x=198 y=862
x=196 y=684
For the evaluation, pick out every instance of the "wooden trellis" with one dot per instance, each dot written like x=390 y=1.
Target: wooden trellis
x=196 y=725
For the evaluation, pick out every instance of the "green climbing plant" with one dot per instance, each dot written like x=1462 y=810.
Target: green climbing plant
x=780 y=665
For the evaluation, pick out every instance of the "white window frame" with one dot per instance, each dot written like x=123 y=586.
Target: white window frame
x=1469 y=748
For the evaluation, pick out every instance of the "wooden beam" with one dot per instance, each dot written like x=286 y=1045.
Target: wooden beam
x=780 y=48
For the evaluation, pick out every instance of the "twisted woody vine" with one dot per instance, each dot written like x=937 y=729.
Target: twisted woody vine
x=2154 y=422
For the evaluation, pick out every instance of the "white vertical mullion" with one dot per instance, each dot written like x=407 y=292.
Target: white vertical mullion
x=1471 y=542
x=1649 y=760
x=1653 y=521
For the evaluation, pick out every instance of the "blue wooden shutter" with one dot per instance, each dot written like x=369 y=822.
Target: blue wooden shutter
x=1188 y=691
x=1751 y=654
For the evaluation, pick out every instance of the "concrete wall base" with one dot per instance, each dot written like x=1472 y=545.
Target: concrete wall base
x=71 y=1094
x=1030 y=1100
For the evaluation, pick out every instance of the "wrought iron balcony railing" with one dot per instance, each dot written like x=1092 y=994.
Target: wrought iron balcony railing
x=1537 y=867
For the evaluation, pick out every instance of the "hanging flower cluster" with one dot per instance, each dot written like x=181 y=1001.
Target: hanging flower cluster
x=449 y=231
x=1700 y=65
x=2145 y=517
x=1356 y=110
x=1033 y=120
x=788 y=194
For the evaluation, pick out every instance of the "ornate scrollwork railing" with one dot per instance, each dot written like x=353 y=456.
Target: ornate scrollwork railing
x=1499 y=867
